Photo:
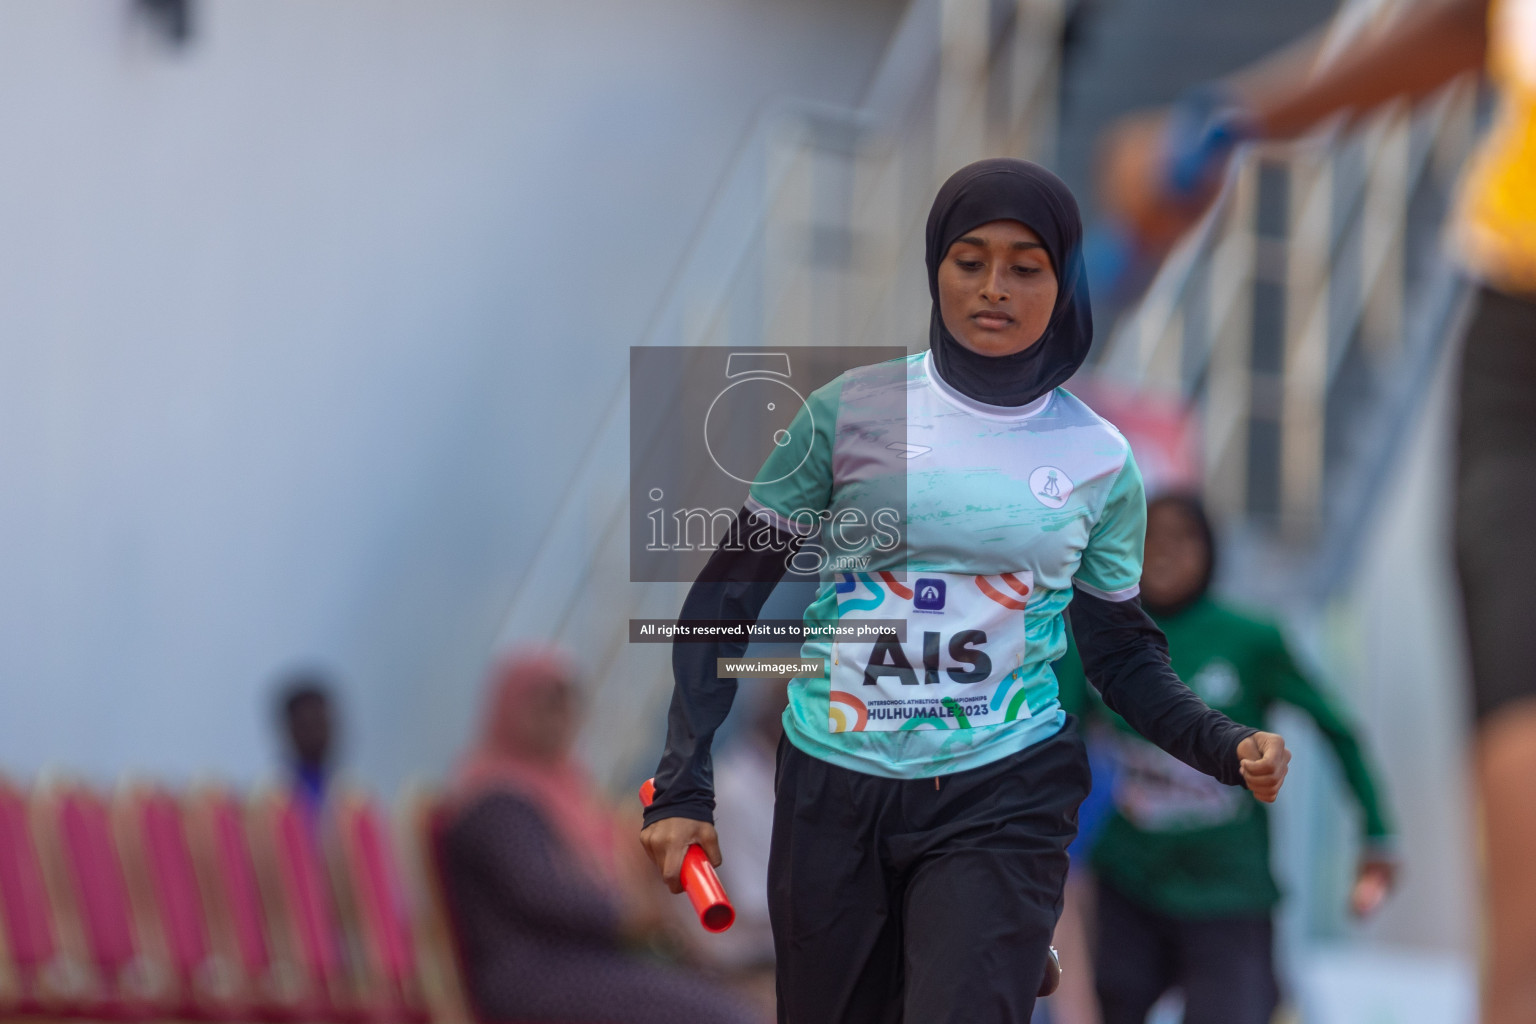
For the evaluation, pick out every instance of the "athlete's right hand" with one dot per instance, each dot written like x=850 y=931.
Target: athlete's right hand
x=667 y=839
x=1263 y=760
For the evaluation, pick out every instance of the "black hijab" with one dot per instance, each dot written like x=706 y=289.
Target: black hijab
x=1006 y=189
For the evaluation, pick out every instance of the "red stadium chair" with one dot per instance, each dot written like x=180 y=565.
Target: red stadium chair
x=438 y=953
x=379 y=911
x=43 y=980
x=271 y=985
x=302 y=906
x=161 y=866
x=131 y=988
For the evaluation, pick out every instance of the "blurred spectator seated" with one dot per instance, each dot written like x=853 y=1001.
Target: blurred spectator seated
x=307 y=718
x=547 y=891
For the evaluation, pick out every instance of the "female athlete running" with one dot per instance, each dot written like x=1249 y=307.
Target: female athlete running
x=928 y=786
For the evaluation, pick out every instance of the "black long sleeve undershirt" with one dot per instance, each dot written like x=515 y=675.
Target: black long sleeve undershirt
x=734 y=584
x=1124 y=655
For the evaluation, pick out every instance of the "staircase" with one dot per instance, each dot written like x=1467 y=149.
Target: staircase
x=1305 y=327
x=1299 y=323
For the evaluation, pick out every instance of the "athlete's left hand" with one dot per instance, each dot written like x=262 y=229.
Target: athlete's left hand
x=1373 y=883
x=1264 y=762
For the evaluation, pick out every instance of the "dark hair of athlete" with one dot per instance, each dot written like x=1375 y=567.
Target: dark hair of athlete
x=1180 y=558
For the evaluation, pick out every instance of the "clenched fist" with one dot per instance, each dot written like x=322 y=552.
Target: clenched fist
x=1264 y=762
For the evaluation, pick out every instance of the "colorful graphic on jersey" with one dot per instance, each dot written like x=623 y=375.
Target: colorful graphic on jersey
x=837 y=717
x=1013 y=583
x=965 y=638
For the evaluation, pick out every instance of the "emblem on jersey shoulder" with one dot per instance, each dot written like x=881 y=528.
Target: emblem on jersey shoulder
x=928 y=595
x=1051 y=486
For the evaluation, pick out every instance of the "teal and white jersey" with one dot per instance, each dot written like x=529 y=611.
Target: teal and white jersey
x=1004 y=510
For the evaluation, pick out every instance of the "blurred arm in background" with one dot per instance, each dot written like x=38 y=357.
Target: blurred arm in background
x=1378 y=867
x=1282 y=97
x=1429 y=45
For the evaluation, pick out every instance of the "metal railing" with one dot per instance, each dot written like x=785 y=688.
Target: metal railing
x=1301 y=325
x=1298 y=298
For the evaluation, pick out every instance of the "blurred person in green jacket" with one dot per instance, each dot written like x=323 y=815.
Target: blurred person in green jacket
x=1185 y=892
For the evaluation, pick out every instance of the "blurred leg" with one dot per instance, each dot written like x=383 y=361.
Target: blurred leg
x=1227 y=971
x=1074 y=1002
x=1496 y=561
x=1133 y=959
x=1506 y=779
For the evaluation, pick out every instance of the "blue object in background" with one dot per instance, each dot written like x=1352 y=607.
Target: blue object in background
x=1096 y=809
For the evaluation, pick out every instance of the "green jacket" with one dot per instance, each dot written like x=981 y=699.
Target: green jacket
x=1180 y=842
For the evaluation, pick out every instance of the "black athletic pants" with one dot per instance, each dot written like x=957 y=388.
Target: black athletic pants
x=894 y=901
x=1224 y=966
x=1495 y=497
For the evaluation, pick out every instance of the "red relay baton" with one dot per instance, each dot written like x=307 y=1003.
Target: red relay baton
x=699 y=880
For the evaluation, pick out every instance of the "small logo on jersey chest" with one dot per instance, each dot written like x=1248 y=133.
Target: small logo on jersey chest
x=1051 y=486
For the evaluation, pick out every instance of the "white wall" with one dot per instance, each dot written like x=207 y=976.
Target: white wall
x=1399 y=638
x=296 y=328
x=1390 y=643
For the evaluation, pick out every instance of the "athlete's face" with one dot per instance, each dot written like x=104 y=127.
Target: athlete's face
x=1176 y=559
x=997 y=288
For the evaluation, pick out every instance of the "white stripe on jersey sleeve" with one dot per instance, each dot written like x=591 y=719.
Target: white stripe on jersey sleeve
x=1108 y=595
x=760 y=511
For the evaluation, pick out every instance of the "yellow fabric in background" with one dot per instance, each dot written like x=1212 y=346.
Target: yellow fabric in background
x=1496 y=221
